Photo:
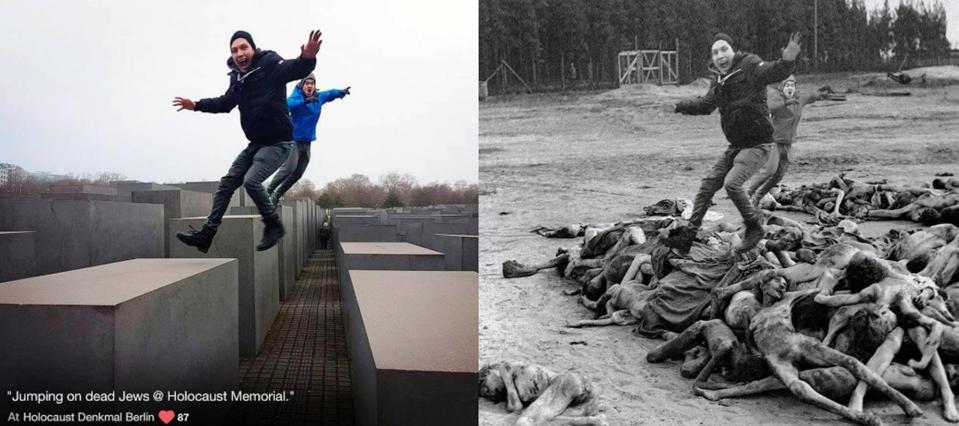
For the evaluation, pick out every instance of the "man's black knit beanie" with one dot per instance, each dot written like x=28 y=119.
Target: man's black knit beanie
x=721 y=36
x=244 y=35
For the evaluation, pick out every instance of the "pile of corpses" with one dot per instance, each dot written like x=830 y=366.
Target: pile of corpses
x=818 y=310
x=845 y=198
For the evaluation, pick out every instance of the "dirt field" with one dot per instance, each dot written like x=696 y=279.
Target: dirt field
x=600 y=157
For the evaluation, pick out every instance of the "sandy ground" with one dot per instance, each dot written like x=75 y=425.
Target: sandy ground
x=601 y=156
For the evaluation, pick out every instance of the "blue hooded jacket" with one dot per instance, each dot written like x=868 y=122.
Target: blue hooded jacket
x=306 y=114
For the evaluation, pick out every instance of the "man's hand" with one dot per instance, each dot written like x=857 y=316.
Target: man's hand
x=347 y=90
x=184 y=103
x=792 y=49
x=312 y=45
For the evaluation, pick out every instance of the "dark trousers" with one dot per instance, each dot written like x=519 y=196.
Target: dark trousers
x=732 y=170
x=250 y=169
x=291 y=171
x=772 y=174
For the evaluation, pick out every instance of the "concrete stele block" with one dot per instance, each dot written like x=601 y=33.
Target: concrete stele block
x=390 y=256
x=431 y=229
x=176 y=203
x=137 y=325
x=286 y=253
x=125 y=190
x=356 y=220
x=293 y=233
x=210 y=187
x=18 y=255
x=462 y=252
x=78 y=234
x=367 y=233
x=304 y=231
x=414 y=347
x=259 y=293
x=243 y=210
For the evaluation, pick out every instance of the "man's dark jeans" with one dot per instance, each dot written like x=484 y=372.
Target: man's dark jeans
x=732 y=170
x=291 y=171
x=772 y=173
x=250 y=169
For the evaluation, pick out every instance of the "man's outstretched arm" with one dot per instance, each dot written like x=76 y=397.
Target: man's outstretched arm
x=332 y=94
x=775 y=71
x=703 y=105
x=809 y=98
x=224 y=103
x=296 y=69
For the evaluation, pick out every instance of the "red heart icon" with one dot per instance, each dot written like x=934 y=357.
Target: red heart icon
x=166 y=416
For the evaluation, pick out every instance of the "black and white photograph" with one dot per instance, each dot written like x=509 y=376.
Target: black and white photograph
x=719 y=212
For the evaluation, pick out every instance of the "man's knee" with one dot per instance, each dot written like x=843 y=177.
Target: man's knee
x=230 y=182
x=252 y=184
x=733 y=186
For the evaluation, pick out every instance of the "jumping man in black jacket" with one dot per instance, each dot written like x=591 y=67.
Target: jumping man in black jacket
x=738 y=89
x=258 y=86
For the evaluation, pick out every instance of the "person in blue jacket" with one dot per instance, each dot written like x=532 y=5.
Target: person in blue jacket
x=305 y=106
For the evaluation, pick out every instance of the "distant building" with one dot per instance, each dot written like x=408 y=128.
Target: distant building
x=46 y=177
x=11 y=173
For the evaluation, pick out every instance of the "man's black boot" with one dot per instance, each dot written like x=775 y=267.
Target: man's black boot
x=271 y=233
x=200 y=239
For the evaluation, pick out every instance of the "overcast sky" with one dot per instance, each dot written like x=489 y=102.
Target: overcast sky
x=87 y=85
x=952 y=15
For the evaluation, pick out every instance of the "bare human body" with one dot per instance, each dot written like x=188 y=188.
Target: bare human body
x=902 y=293
x=546 y=394
x=927 y=209
x=775 y=337
x=721 y=340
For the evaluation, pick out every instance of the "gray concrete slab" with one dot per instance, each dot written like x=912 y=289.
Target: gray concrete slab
x=125 y=190
x=259 y=287
x=411 y=232
x=78 y=234
x=243 y=210
x=366 y=233
x=286 y=252
x=81 y=188
x=431 y=229
x=398 y=256
x=305 y=231
x=311 y=223
x=78 y=196
x=356 y=220
x=350 y=210
x=414 y=347
x=462 y=252
x=176 y=203
x=210 y=187
x=293 y=232
x=138 y=325
x=18 y=255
